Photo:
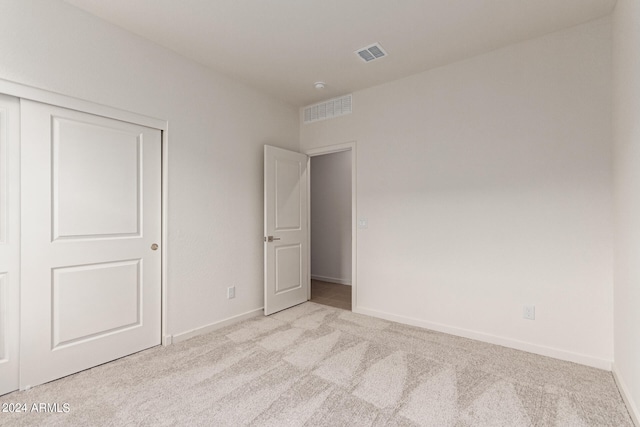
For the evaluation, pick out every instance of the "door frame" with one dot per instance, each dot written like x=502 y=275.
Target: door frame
x=329 y=149
x=44 y=96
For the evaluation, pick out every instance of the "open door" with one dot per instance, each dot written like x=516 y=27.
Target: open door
x=286 y=236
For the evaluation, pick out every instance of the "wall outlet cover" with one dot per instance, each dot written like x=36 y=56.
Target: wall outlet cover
x=529 y=312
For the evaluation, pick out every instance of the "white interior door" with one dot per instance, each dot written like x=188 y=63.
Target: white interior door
x=286 y=242
x=9 y=242
x=91 y=218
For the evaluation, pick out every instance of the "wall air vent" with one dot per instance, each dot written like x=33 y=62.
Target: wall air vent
x=328 y=109
x=370 y=53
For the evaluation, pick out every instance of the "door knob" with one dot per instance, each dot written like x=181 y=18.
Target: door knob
x=154 y=247
x=271 y=238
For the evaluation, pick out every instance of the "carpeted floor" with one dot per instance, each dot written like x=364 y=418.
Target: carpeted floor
x=316 y=365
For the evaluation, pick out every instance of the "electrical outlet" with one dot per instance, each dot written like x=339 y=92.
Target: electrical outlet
x=529 y=312
x=231 y=292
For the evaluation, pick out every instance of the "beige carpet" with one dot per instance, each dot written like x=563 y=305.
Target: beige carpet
x=315 y=365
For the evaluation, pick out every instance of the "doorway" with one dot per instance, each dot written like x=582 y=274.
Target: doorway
x=331 y=213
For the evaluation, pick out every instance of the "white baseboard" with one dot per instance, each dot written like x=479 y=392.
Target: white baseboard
x=626 y=396
x=331 y=280
x=492 y=339
x=216 y=325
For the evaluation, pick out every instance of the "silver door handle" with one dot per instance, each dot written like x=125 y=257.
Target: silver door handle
x=271 y=238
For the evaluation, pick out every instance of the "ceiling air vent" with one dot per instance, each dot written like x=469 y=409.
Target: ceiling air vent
x=370 y=53
x=328 y=109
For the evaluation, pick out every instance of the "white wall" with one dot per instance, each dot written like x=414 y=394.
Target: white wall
x=626 y=132
x=217 y=128
x=331 y=217
x=487 y=185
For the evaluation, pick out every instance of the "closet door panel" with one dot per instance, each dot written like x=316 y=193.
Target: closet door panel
x=9 y=243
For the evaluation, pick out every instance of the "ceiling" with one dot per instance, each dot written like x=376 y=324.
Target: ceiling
x=283 y=46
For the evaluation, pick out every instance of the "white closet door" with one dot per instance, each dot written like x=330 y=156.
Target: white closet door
x=91 y=228
x=9 y=242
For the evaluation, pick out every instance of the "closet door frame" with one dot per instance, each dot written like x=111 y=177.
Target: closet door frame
x=22 y=91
